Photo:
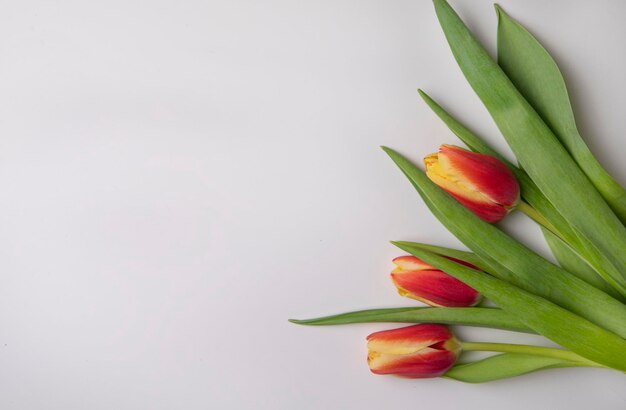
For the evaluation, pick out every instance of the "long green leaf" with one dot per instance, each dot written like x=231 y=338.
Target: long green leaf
x=572 y=262
x=532 y=195
x=560 y=325
x=453 y=253
x=504 y=366
x=483 y=317
x=537 y=76
x=538 y=150
x=512 y=261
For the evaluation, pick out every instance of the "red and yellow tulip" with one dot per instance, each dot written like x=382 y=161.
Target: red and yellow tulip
x=481 y=182
x=419 y=351
x=420 y=281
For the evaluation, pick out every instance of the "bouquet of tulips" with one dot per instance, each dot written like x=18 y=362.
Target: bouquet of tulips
x=580 y=304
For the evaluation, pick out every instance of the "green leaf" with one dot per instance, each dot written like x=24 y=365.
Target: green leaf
x=531 y=194
x=560 y=325
x=483 y=317
x=504 y=366
x=470 y=139
x=572 y=262
x=453 y=253
x=512 y=261
x=538 y=150
x=536 y=75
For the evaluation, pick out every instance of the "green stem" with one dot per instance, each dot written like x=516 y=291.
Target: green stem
x=533 y=214
x=532 y=350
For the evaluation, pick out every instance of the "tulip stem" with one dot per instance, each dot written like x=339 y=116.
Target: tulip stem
x=532 y=350
x=533 y=214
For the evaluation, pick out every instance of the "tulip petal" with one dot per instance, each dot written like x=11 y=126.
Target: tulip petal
x=463 y=190
x=487 y=211
x=425 y=350
x=452 y=183
x=435 y=287
x=410 y=263
x=483 y=173
x=422 y=364
x=408 y=339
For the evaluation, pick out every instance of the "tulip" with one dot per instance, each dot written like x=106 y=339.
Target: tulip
x=419 y=351
x=418 y=280
x=481 y=182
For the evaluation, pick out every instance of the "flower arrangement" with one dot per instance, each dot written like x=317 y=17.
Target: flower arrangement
x=578 y=304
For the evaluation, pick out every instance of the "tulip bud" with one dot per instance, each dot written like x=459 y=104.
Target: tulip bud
x=480 y=182
x=420 y=281
x=419 y=351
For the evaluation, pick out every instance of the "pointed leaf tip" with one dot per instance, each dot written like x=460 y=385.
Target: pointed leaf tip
x=388 y=150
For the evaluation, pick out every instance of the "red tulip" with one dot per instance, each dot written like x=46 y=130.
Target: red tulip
x=481 y=182
x=418 y=280
x=419 y=351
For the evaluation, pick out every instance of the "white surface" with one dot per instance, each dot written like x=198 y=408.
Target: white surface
x=178 y=178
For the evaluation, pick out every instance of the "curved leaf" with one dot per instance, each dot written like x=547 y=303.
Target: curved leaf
x=538 y=150
x=536 y=75
x=483 y=317
x=504 y=366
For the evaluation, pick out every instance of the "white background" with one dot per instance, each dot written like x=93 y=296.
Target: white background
x=177 y=178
